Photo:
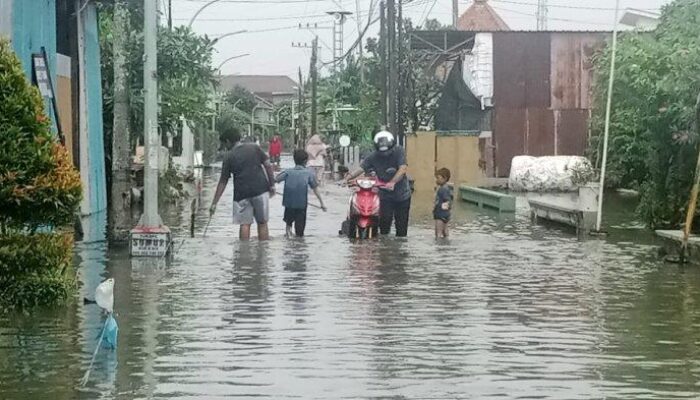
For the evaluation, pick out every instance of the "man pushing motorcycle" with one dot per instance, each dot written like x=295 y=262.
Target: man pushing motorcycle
x=388 y=162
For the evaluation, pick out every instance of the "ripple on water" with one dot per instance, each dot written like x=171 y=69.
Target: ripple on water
x=502 y=309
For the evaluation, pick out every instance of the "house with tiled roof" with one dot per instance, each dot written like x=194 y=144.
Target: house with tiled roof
x=481 y=17
x=274 y=89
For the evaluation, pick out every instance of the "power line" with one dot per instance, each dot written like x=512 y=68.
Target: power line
x=281 y=28
x=525 y=3
x=552 y=18
x=254 y=19
x=354 y=45
x=259 y=1
x=427 y=15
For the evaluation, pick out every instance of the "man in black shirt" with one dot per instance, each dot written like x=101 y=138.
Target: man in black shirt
x=253 y=185
x=389 y=163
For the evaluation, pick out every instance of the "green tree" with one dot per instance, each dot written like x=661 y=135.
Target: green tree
x=241 y=98
x=653 y=138
x=185 y=76
x=346 y=88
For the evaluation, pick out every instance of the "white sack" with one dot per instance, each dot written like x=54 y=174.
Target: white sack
x=549 y=174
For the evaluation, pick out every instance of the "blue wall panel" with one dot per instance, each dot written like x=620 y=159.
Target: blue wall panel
x=34 y=27
x=98 y=192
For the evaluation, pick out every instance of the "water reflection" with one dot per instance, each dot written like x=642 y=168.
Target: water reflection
x=502 y=309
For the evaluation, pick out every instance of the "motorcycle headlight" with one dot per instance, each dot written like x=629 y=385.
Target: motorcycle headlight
x=365 y=183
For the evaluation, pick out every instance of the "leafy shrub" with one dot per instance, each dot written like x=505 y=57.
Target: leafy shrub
x=35 y=270
x=38 y=188
x=653 y=137
x=38 y=184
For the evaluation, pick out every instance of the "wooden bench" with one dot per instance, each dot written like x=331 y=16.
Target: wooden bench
x=567 y=214
x=488 y=198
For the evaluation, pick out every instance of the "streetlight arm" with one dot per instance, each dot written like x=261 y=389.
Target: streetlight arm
x=199 y=11
x=228 y=34
x=231 y=58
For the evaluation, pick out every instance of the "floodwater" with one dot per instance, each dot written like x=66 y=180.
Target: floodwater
x=503 y=309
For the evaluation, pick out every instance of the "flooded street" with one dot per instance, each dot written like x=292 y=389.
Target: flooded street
x=503 y=309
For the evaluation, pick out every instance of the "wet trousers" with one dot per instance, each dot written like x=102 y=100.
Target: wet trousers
x=397 y=212
x=296 y=217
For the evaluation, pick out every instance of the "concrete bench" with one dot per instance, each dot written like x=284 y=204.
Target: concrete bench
x=567 y=214
x=577 y=209
x=488 y=198
x=673 y=240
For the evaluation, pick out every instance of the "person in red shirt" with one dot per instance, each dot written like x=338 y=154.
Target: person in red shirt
x=275 y=150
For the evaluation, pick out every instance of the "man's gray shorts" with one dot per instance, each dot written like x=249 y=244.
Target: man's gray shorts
x=253 y=209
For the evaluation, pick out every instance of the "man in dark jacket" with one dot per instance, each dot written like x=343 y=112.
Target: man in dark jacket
x=388 y=161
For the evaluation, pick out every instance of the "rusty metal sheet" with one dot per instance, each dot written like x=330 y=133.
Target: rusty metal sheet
x=571 y=132
x=539 y=138
x=521 y=63
x=572 y=69
x=509 y=54
x=537 y=67
x=509 y=127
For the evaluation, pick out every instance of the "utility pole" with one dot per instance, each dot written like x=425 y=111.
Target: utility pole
x=455 y=13
x=360 y=58
x=542 y=11
x=400 y=77
x=150 y=237
x=392 y=67
x=120 y=209
x=383 y=48
x=301 y=138
x=170 y=14
x=314 y=87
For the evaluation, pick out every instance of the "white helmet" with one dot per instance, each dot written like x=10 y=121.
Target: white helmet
x=384 y=141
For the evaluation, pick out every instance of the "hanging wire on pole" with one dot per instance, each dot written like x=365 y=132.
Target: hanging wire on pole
x=608 y=109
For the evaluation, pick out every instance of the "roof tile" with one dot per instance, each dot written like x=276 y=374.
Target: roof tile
x=481 y=17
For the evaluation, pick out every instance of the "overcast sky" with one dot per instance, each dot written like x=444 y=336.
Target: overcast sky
x=272 y=25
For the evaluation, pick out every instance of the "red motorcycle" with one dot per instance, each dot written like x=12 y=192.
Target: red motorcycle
x=363 y=217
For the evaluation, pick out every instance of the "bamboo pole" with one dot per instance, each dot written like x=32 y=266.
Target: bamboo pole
x=608 y=109
x=693 y=193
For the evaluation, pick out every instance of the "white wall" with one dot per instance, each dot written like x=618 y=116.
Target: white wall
x=6 y=18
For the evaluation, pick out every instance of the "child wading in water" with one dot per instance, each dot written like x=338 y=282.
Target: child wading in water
x=297 y=182
x=443 y=203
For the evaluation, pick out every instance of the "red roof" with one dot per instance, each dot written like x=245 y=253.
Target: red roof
x=481 y=17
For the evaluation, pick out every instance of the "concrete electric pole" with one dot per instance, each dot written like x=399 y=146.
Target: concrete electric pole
x=542 y=11
x=360 y=48
x=150 y=237
x=314 y=87
x=392 y=67
x=383 y=49
x=455 y=13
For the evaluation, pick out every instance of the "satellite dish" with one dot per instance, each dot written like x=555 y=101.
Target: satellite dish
x=344 y=141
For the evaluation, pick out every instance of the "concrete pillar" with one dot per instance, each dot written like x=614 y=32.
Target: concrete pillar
x=82 y=112
x=187 y=146
x=356 y=157
x=6 y=18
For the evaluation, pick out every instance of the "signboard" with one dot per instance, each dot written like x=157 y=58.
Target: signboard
x=41 y=75
x=42 y=79
x=149 y=244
